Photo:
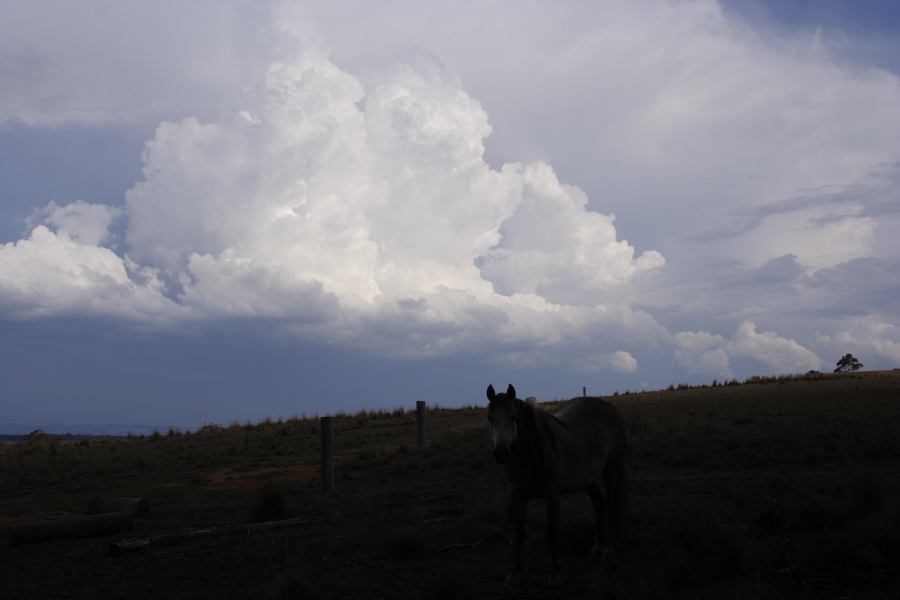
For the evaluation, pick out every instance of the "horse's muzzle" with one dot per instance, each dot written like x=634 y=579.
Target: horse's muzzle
x=501 y=454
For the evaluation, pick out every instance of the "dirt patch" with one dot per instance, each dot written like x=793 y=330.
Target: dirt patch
x=251 y=481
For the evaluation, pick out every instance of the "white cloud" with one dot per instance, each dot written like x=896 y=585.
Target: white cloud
x=680 y=118
x=552 y=246
x=624 y=362
x=724 y=116
x=50 y=274
x=710 y=354
x=780 y=354
x=864 y=337
x=591 y=360
x=702 y=352
x=337 y=207
x=80 y=221
x=820 y=236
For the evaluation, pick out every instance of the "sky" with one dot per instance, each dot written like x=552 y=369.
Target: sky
x=218 y=211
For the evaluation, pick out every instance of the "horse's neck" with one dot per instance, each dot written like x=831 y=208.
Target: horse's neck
x=528 y=435
x=527 y=469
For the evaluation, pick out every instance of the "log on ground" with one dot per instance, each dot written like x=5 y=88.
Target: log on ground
x=72 y=527
x=107 y=504
x=182 y=537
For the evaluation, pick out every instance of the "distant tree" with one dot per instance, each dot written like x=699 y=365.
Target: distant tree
x=848 y=362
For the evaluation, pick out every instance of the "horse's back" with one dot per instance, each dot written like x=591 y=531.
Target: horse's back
x=590 y=413
x=589 y=430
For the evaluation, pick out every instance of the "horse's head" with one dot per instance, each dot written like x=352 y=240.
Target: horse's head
x=502 y=416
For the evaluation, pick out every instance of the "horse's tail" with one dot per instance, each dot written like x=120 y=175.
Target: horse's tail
x=614 y=479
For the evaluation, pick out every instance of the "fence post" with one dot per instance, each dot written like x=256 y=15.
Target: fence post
x=583 y=391
x=420 y=424
x=326 y=426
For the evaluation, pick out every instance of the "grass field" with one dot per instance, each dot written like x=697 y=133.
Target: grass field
x=781 y=488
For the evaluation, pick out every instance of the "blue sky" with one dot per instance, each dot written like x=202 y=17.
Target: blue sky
x=227 y=211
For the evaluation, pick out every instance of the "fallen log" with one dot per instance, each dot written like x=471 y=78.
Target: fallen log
x=182 y=537
x=108 y=504
x=71 y=527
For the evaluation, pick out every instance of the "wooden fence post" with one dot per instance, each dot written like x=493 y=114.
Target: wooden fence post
x=420 y=424
x=327 y=430
x=583 y=392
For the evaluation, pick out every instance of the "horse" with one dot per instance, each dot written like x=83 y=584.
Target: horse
x=580 y=447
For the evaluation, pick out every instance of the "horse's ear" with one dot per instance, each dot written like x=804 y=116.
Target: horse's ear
x=490 y=393
x=511 y=392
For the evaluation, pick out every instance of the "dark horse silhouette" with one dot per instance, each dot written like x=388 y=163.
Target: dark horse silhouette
x=580 y=447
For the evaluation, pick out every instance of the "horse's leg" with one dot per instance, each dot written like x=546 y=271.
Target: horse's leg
x=519 y=505
x=597 y=492
x=552 y=526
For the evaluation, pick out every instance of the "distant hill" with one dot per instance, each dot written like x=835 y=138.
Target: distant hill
x=17 y=429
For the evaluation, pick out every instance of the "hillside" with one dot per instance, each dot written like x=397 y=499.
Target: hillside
x=781 y=487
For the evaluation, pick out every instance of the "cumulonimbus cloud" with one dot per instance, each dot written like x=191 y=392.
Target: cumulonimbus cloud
x=334 y=206
x=363 y=211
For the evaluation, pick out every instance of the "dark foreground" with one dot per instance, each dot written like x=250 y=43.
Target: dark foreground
x=780 y=489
